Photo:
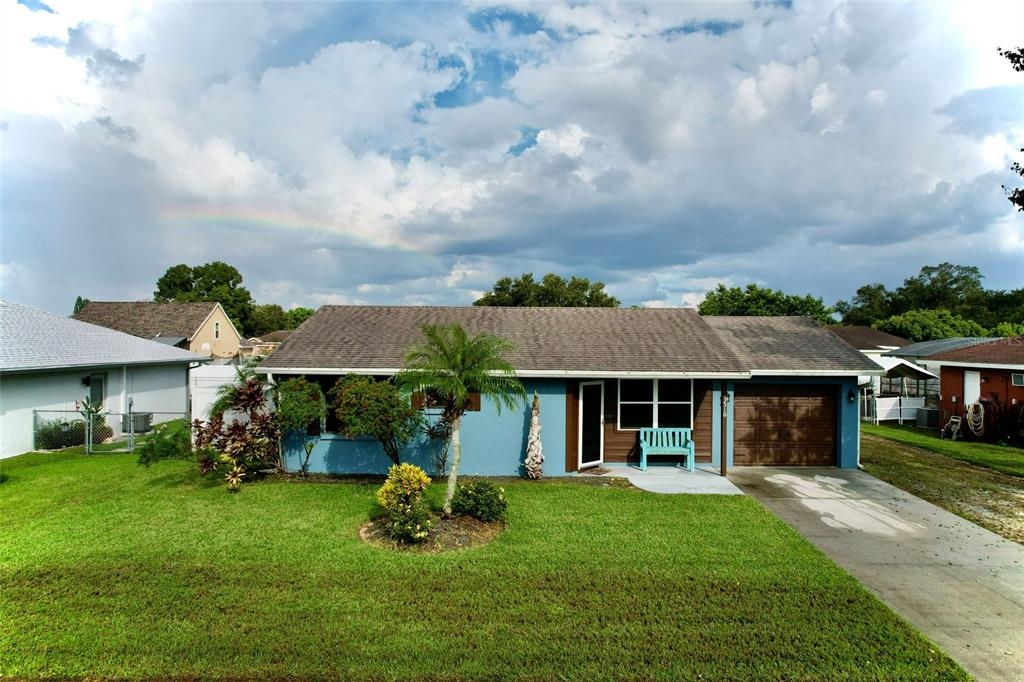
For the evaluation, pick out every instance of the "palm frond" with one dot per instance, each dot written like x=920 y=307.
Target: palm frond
x=453 y=365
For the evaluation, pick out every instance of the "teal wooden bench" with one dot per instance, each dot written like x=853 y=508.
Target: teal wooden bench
x=666 y=442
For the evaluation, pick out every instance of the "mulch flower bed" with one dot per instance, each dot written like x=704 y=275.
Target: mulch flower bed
x=457 y=532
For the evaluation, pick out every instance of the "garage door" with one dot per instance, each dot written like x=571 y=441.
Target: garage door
x=783 y=424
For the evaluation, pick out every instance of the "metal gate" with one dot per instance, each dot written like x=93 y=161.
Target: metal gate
x=105 y=432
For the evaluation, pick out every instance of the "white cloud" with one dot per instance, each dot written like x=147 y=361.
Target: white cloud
x=669 y=154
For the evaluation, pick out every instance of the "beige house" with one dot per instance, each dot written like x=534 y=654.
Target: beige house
x=202 y=328
x=259 y=346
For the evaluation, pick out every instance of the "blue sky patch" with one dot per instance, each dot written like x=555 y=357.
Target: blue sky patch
x=36 y=6
x=520 y=23
x=490 y=71
x=715 y=27
x=528 y=139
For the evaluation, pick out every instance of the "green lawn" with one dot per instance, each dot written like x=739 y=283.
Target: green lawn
x=1004 y=458
x=108 y=569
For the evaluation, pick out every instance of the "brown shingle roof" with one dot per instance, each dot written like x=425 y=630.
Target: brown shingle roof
x=276 y=337
x=789 y=344
x=1009 y=351
x=867 y=338
x=574 y=340
x=147 y=319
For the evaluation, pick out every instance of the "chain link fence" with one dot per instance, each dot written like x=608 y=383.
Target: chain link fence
x=105 y=432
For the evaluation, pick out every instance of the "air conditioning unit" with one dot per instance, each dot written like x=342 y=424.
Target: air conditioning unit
x=141 y=422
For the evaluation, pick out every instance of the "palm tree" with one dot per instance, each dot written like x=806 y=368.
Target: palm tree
x=449 y=366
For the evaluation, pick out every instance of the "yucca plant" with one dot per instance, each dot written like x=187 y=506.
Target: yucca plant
x=450 y=365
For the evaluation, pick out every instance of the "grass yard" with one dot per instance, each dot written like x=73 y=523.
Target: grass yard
x=986 y=497
x=1004 y=458
x=110 y=570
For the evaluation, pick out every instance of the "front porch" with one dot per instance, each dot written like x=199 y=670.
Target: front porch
x=668 y=479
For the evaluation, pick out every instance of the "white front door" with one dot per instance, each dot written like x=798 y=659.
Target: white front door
x=972 y=387
x=591 y=444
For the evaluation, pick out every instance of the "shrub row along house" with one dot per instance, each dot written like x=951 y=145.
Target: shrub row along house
x=787 y=386
x=52 y=363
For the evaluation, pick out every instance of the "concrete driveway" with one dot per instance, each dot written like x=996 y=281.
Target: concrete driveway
x=961 y=585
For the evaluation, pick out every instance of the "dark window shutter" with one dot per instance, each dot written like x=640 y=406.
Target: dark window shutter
x=474 y=402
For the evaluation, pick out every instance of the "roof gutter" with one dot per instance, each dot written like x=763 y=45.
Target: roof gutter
x=584 y=374
x=817 y=372
x=979 y=365
x=74 y=368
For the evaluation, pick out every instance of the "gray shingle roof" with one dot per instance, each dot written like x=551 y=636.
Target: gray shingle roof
x=569 y=340
x=923 y=349
x=35 y=339
x=147 y=319
x=791 y=344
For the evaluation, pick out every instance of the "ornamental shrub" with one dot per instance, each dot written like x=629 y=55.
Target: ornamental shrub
x=170 y=440
x=482 y=500
x=406 y=514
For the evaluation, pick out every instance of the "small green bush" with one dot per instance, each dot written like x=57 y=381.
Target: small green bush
x=482 y=500
x=405 y=512
x=170 y=440
x=58 y=433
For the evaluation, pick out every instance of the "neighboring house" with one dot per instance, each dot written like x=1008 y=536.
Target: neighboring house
x=51 y=362
x=991 y=374
x=898 y=393
x=918 y=353
x=199 y=327
x=602 y=374
x=263 y=345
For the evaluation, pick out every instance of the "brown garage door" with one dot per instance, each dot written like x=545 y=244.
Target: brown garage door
x=783 y=424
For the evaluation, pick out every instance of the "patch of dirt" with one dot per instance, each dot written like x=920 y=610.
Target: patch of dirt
x=987 y=497
x=457 y=532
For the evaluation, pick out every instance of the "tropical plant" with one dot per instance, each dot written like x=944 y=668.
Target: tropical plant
x=450 y=366
x=377 y=409
x=246 y=381
x=300 y=403
x=406 y=513
x=482 y=500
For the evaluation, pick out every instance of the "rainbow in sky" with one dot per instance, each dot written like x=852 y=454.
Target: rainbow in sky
x=273 y=220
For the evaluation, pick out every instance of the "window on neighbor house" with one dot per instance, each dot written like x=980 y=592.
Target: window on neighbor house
x=1017 y=379
x=655 y=403
x=216 y=330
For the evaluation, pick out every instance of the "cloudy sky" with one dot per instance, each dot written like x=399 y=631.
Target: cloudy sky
x=413 y=153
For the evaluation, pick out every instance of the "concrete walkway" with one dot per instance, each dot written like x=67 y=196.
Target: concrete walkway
x=961 y=585
x=671 y=480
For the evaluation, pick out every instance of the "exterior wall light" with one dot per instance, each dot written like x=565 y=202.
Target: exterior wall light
x=851 y=396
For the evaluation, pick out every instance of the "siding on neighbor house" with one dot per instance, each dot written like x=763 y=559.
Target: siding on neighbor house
x=997 y=390
x=492 y=444
x=157 y=388
x=205 y=342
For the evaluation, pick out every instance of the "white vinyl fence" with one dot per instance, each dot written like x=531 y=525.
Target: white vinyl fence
x=898 y=409
x=203 y=384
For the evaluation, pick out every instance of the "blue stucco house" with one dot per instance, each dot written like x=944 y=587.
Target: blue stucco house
x=756 y=390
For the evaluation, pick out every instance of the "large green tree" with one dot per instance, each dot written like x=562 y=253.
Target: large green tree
x=929 y=325
x=956 y=288
x=266 y=318
x=1015 y=194
x=552 y=290
x=215 y=281
x=756 y=300
x=450 y=366
x=297 y=316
